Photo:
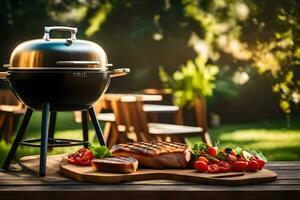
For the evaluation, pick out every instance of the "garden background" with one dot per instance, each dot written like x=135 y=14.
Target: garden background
x=249 y=49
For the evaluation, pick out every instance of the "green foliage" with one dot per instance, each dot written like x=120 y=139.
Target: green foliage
x=220 y=24
x=222 y=155
x=198 y=149
x=98 y=19
x=270 y=137
x=99 y=151
x=279 y=53
x=193 y=80
x=259 y=154
x=235 y=34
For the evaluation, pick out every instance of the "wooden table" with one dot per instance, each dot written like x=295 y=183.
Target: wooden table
x=145 y=97
x=151 y=109
x=23 y=185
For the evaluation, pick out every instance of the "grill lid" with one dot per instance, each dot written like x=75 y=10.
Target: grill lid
x=58 y=54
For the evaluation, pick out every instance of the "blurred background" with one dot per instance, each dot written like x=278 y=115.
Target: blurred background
x=243 y=56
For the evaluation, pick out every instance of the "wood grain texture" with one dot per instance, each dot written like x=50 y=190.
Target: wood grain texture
x=88 y=174
x=23 y=184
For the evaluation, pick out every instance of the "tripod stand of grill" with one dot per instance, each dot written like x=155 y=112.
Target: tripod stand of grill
x=45 y=141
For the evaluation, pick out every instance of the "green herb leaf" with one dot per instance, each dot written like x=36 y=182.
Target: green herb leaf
x=222 y=155
x=99 y=151
x=238 y=150
x=217 y=143
x=259 y=154
x=197 y=150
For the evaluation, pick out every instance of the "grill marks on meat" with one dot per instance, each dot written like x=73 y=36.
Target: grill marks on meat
x=155 y=155
x=116 y=160
x=150 y=148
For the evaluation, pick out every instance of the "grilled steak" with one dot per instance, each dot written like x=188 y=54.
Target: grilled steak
x=155 y=155
x=115 y=164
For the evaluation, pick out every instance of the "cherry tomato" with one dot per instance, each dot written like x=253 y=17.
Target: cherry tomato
x=202 y=158
x=212 y=151
x=213 y=160
x=213 y=168
x=243 y=159
x=231 y=158
x=81 y=157
x=87 y=155
x=224 y=166
x=239 y=166
x=71 y=160
x=252 y=166
x=233 y=153
x=230 y=151
x=201 y=166
x=261 y=163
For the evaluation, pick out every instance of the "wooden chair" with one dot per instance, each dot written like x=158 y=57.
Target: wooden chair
x=131 y=118
x=200 y=112
x=10 y=111
x=201 y=119
x=111 y=132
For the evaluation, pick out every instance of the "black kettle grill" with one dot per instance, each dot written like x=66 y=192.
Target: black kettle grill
x=57 y=75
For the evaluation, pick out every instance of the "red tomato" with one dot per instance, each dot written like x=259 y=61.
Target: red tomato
x=212 y=151
x=81 y=157
x=261 y=163
x=224 y=166
x=202 y=158
x=71 y=159
x=200 y=166
x=231 y=158
x=233 y=153
x=239 y=166
x=213 y=160
x=252 y=166
x=243 y=159
x=213 y=168
x=87 y=155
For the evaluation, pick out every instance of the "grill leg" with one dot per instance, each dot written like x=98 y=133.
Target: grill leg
x=52 y=124
x=85 y=127
x=52 y=127
x=44 y=138
x=96 y=126
x=18 y=138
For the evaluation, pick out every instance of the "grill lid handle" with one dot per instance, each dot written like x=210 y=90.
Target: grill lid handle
x=119 y=72
x=3 y=75
x=48 y=29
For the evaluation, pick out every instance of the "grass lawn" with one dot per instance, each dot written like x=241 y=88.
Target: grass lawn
x=271 y=137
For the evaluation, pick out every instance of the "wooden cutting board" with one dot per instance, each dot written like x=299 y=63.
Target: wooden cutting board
x=88 y=174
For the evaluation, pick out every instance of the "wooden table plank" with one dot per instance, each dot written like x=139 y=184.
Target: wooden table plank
x=155 y=195
x=154 y=108
x=145 y=97
x=21 y=184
